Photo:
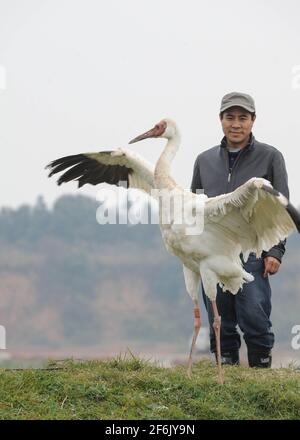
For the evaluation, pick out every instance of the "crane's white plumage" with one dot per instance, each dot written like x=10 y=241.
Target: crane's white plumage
x=257 y=218
x=142 y=175
x=252 y=218
x=249 y=219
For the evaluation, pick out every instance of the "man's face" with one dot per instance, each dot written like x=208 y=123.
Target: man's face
x=237 y=124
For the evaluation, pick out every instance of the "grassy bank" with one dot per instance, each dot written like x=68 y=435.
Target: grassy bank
x=125 y=388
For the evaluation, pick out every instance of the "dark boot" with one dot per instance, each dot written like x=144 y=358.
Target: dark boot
x=260 y=359
x=229 y=358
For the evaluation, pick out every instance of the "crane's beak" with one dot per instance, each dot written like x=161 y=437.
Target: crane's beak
x=148 y=134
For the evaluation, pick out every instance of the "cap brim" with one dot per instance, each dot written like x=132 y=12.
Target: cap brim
x=245 y=107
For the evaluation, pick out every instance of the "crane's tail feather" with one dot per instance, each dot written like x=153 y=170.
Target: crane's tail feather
x=234 y=284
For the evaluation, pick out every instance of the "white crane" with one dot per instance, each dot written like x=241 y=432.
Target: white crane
x=252 y=218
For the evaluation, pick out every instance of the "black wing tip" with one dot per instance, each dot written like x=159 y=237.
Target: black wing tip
x=294 y=214
x=50 y=164
x=87 y=169
x=64 y=162
x=73 y=159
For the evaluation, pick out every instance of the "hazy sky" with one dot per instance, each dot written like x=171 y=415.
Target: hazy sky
x=85 y=75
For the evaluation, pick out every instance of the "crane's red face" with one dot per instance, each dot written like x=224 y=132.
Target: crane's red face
x=157 y=131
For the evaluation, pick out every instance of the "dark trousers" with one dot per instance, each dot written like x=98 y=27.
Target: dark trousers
x=250 y=309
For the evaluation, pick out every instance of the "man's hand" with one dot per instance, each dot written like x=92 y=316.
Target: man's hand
x=271 y=266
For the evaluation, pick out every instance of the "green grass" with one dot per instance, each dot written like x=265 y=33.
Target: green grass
x=125 y=388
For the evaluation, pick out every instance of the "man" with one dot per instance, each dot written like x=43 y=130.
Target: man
x=220 y=170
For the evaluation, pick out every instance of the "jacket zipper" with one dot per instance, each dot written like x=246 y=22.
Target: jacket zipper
x=235 y=162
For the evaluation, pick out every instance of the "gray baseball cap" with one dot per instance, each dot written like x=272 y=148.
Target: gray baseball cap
x=236 y=99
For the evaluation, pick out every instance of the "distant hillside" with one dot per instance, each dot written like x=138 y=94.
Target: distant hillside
x=68 y=281
x=65 y=279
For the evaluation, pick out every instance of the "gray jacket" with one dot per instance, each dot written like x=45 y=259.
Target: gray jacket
x=211 y=173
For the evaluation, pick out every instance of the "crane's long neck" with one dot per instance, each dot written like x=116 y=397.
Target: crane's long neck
x=163 y=165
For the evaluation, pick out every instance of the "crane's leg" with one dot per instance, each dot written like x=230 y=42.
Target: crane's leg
x=210 y=280
x=192 y=281
x=217 y=329
x=197 y=325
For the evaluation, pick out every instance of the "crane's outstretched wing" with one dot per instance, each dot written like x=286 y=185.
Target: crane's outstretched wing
x=255 y=214
x=113 y=167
